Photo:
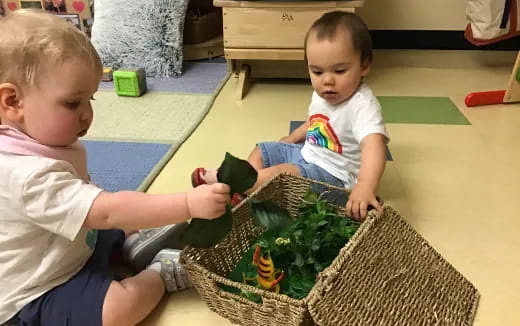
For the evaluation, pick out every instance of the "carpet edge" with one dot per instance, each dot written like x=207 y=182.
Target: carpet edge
x=150 y=178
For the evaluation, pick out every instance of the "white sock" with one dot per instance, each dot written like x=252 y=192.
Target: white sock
x=155 y=267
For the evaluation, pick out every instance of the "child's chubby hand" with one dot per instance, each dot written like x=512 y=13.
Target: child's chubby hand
x=360 y=199
x=208 y=201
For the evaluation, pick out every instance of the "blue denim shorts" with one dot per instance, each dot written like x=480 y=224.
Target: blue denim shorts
x=274 y=153
x=79 y=301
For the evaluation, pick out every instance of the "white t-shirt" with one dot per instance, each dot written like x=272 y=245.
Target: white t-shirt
x=333 y=140
x=43 y=205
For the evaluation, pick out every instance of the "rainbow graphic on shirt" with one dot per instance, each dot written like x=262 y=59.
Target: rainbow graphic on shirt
x=321 y=133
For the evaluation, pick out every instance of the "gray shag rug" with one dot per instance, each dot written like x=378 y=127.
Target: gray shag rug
x=146 y=33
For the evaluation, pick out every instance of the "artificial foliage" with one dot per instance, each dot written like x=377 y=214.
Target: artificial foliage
x=237 y=173
x=202 y=233
x=301 y=249
x=268 y=214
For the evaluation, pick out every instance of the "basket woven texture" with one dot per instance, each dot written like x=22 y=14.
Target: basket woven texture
x=387 y=274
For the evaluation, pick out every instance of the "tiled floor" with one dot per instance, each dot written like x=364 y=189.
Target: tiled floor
x=456 y=184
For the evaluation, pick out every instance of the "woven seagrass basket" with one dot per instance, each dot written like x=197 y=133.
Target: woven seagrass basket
x=387 y=274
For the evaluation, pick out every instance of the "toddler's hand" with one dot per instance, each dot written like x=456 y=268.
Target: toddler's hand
x=208 y=201
x=359 y=200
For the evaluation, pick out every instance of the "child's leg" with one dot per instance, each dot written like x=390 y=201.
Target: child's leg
x=78 y=301
x=255 y=158
x=93 y=297
x=274 y=158
x=266 y=174
x=128 y=302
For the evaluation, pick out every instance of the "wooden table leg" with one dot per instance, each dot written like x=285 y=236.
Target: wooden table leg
x=231 y=65
x=243 y=81
x=513 y=89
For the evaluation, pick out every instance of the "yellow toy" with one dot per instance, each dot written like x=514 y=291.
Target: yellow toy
x=267 y=274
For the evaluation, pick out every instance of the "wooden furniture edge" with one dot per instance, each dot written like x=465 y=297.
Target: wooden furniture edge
x=286 y=4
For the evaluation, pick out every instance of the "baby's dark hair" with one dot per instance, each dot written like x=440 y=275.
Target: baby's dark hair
x=327 y=26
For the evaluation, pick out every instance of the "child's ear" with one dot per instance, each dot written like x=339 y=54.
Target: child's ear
x=365 y=68
x=10 y=102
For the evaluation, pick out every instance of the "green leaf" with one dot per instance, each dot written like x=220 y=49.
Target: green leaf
x=298 y=261
x=251 y=296
x=318 y=267
x=310 y=197
x=308 y=281
x=202 y=233
x=243 y=266
x=322 y=222
x=300 y=283
x=237 y=173
x=268 y=214
x=298 y=233
x=316 y=244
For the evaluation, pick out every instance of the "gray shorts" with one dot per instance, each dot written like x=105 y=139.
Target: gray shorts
x=274 y=153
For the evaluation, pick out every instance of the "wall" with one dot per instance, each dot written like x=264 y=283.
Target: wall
x=414 y=14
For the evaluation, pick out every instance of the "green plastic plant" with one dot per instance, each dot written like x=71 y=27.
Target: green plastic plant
x=302 y=248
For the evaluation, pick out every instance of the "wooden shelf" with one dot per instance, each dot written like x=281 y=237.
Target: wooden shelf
x=285 y=4
x=264 y=54
x=270 y=31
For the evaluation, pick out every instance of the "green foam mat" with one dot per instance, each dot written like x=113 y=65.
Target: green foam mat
x=421 y=110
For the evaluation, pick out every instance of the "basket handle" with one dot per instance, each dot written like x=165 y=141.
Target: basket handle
x=236 y=297
x=265 y=295
x=269 y=302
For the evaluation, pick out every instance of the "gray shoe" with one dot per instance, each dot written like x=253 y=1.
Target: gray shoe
x=173 y=274
x=151 y=241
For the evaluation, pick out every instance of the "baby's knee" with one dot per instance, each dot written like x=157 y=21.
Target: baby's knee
x=128 y=302
x=118 y=305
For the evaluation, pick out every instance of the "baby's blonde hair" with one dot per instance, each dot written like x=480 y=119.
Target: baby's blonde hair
x=32 y=41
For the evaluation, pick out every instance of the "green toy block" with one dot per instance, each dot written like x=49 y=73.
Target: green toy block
x=130 y=82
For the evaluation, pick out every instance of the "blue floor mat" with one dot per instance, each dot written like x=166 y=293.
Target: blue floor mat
x=116 y=166
x=190 y=81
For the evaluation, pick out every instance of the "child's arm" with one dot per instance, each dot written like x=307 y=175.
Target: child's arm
x=373 y=161
x=298 y=134
x=133 y=210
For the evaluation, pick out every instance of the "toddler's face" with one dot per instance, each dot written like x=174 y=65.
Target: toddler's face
x=334 y=66
x=57 y=111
